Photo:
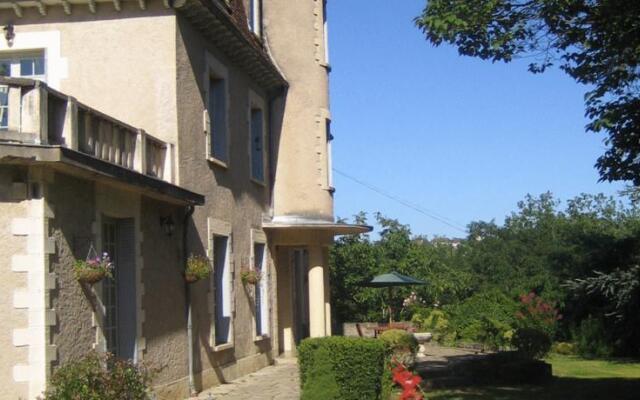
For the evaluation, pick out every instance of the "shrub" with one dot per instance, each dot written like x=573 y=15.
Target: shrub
x=591 y=339
x=564 y=348
x=531 y=343
x=401 y=344
x=345 y=368
x=97 y=377
x=427 y=320
x=537 y=314
x=486 y=318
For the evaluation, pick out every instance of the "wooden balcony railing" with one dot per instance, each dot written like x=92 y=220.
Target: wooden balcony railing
x=33 y=113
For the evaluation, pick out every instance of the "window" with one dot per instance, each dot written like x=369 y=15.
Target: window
x=261 y=290
x=28 y=65
x=217 y=108
x=257 y=144
x=221 y=290
x=4 y=108
x=23 y=65
x=255 y=16
x=325 y=28
x=328 y=157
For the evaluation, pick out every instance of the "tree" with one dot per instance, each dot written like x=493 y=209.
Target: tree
x=596 y=42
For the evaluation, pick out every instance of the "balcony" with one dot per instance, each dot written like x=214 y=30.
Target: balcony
x=33 y=113
x=39 y=125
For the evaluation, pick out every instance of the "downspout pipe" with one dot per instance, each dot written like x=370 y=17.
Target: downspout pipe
x=187 y=294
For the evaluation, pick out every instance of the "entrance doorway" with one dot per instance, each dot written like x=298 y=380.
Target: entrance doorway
x=119 y=292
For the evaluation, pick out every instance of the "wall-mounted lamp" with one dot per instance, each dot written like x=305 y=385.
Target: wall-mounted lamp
x=167 y=225
x=9 y=34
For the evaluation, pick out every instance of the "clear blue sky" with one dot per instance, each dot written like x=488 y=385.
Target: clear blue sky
x=461 y=137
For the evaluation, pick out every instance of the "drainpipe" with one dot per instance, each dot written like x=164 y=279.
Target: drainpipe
x=187 y=291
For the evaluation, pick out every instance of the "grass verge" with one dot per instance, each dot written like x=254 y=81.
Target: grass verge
x=574 y=378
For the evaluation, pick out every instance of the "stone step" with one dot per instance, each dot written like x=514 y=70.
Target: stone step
x=285 y=361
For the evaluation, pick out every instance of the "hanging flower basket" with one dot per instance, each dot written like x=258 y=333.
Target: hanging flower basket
x=94 y=268
x=197 y=268
x=250 y=277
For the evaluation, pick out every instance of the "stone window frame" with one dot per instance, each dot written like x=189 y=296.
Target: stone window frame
x=110 y=204
x=217 y=70
x=218 y=227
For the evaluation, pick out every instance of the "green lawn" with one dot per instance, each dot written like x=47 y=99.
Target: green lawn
x=574 y=378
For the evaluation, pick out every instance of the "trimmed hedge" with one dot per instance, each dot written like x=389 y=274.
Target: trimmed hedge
x=341 y=368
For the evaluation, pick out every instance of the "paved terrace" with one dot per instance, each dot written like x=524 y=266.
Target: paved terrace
x=276 y=382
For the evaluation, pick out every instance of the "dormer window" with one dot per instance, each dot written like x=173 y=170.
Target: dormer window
x=255 y=16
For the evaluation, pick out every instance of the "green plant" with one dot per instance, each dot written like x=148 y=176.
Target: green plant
x=494 y=333
x=564 y=348
x=345 y=368
x=401 y=344
x=485 y=318
x=591 y=339
x=250 y=277
x=428 y=320
x=96 y=377
x=197 y=268
x=93 y=269
x=531 y=343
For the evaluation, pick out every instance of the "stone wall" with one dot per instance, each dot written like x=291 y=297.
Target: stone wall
x=13 y=204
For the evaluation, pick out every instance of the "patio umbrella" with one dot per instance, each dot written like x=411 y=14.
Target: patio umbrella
x=391 y=279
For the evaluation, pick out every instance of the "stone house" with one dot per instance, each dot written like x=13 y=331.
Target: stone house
x=153 y=130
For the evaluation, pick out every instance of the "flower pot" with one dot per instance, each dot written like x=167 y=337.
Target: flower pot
x=90 y=276
x=191 y=278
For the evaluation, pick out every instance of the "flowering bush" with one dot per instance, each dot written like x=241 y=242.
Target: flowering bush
x=538 y=314
x=198 y=267
x=410 y=305
x=536 y=322
x=408 y=382
x=100 y=377
x=93 y=269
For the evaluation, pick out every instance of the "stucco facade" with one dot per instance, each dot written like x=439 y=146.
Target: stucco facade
x=164 y=128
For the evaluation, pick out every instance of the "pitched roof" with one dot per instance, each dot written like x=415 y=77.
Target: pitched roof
x=225 y=24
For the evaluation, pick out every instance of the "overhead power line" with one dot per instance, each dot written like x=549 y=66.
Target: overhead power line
x=415 y=207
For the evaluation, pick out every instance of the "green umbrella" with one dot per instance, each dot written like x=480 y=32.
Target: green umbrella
x=391 y=279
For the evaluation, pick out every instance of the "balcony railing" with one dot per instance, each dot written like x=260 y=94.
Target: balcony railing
x=33 y=113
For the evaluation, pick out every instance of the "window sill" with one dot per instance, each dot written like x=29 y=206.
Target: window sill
x=330 y=189
x=222 y=347
x=218 y=162
x=326 y=66
x=261 y=338
x=255 y=34
x=259 y=183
